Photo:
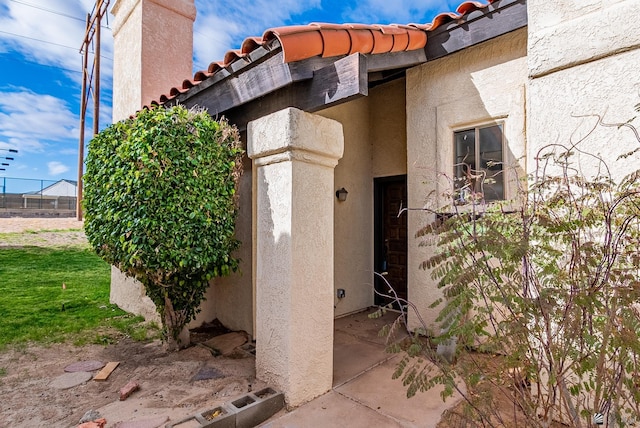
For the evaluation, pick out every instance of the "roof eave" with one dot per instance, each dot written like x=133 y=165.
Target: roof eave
x=262 y=83
x=499 y=18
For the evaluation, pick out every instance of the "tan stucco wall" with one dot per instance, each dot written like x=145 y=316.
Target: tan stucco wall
x=583 y=62
x=374 y=146
x=353 y=218
x=387 y=104
x=480 y=84
x=565 y=33
x=233 y=295
x=130 y=296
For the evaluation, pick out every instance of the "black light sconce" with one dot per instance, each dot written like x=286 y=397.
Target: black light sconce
x=341 y=194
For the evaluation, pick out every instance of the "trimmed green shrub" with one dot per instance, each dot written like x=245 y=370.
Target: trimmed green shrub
x=160 y=204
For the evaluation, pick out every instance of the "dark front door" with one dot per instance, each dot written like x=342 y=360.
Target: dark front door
x=390 y=236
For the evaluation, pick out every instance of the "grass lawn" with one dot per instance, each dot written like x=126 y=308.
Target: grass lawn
x=36 y=306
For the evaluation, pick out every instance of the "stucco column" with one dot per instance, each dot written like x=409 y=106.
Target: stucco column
x=294 y=155
x=153 y=51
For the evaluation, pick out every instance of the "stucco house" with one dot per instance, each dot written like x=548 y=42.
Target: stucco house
x=381 y=111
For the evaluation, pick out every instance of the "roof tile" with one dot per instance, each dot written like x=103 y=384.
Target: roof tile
x=301 y=42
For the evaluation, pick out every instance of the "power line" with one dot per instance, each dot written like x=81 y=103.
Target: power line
x=22 y=61
x=48 y=42
x=55 y=12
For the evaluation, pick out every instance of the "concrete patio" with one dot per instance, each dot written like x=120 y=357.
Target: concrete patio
x=363 y=394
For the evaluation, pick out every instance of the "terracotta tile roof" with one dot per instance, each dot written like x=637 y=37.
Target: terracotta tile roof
x=300 y=42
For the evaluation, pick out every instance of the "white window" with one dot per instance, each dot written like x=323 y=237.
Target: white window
x=478 y=164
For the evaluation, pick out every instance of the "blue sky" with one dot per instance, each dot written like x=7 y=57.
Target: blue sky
x=40 y=63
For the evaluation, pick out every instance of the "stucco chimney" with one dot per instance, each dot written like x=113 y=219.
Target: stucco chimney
x=153 y=50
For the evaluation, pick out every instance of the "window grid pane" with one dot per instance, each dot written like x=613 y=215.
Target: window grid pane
x=490 y=161
x=479 y=162
x=465 y=159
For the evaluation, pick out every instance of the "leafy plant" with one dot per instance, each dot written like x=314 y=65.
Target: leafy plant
x=549 y=287
x=160 y=205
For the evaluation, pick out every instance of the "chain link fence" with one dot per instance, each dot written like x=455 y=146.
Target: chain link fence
x=26 y=196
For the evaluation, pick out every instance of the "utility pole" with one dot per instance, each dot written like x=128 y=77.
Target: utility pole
x=89 y=86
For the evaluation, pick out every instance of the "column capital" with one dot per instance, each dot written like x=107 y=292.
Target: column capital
x=293 y=134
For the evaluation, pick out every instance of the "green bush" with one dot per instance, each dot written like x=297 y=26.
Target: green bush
x=160 y=204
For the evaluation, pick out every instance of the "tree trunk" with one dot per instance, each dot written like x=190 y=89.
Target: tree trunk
x=172 y=322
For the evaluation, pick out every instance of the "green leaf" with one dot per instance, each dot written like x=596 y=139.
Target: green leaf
x=146 y=183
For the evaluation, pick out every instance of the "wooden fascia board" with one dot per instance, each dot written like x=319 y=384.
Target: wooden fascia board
x=500 y=18
x=253 y=59
x=239 y=88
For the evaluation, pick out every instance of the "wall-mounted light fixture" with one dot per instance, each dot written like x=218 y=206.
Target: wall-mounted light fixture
x=341 y=194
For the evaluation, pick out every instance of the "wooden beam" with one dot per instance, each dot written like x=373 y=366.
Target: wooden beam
x=395 y=60
x=500 y=18
x=343 y=80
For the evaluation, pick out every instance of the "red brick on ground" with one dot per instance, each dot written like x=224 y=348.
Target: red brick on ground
x=98 y=423
x=128 y=389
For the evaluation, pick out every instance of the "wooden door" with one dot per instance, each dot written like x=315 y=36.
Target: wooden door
x=390 y=236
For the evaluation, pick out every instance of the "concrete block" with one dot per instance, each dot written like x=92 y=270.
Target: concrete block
x=254 y=408
x=271 y=401
x=246 y=411
x=226 y=417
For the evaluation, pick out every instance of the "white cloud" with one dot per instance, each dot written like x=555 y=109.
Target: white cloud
x=50 y=32
x=221 y=25
x=27 y=119
x=23 y=145
x=57 y=168
x=397 y=11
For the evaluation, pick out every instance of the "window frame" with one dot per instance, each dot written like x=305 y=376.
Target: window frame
x=476 y=127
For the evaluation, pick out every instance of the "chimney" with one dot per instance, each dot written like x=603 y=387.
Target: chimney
x=153 y=51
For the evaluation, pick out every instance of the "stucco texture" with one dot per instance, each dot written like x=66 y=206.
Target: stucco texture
x=570 y=32
x=294 y=155
x=232 y=296
x=581 y=85
x=482 y=84
x=146 y=33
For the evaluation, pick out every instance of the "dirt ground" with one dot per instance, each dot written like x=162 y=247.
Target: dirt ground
x=168 y=390
x=20 y=224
